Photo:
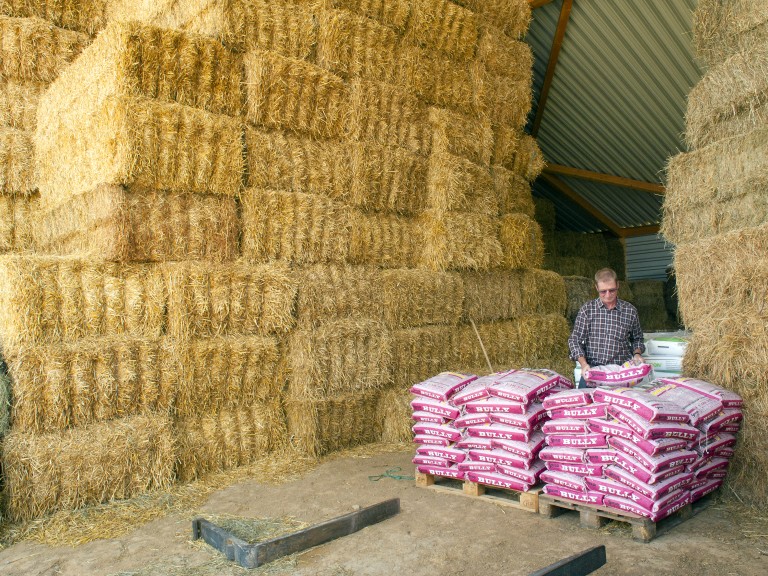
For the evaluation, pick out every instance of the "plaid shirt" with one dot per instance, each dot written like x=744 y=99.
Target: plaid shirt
x=606 y=336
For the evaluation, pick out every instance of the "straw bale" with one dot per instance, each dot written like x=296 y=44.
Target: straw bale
x=18 y=103
x=283 y=27
x=721 y=29
x=437 y=80
x=521 y=242
x=286 y=93
x=227 y=299
x=354 y=46
x=500 y=99
x=512 y=191
x=511 y=16
x=17 y=162
x=228 y=438
x=226 y=373
x=134 y=224
x=5 y=399
x=320 y=426
x=517 y=343
x=295 y=227
x=460 y=135
x=504 y=56
x=505 y=142
x=136 y=140
x=734 y=93
x=385 y=241
x=508 y=294
x=392 y=13
x=616 y=256
x=398 y=298
x=7 y=224
x=722 y=276
x=394 y=414
x=114 y=460
x=387 y=114
x=457 y=184
x=579 y=290
x=418 y=353
x=338 y=357
x=51 y=299
x=34 y=50
x=529 y=161
x=16 y=219
x=573 y=265
x=443 y=26
x=585 y=245
x=137 y=59
x=459 y=241
x=648 y=298
x=88 y=16
x=60 y=386
x=545 y=214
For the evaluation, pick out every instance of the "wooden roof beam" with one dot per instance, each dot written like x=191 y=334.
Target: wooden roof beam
x=554 y=54
x=605 y=178
x=539 y=3
x=579 y=200
x=639 y=231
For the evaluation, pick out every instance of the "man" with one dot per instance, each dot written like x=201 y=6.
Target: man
x=607 y=329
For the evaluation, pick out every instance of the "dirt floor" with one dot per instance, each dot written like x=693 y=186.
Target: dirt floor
x=434 y=534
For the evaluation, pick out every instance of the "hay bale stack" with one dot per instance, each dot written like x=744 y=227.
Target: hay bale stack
x=398 y=298
x=546 y=216
x=579 y=290
x=393 y=13
x=87 y=16
x=648 y=298
x=5 y=400
x=513 y=193
x=16 y=215
x=502 y=55
x=580 y=254
x=463 y=241
x=444 y=27
x=512 y=17
x=18 y=103
x=459 y=135
x=721 y=29
x=418 y=353
x=458 y=185
x=521 y=242
x=17 y=155
x=137 y=224
x=103 y=462
x=394 y=416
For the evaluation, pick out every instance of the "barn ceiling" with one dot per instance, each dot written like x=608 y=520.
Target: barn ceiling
x=611 y=78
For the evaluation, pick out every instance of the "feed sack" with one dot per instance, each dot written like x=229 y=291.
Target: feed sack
x=568 y=399
x=502 y=55
x=51 y=299
x=285 y=93
x=442 y=386
x=88 y=16
x=491 y=404
x=653 y=430
x=32 y=49
x=399 y=298
x=394 y=414
x=617 y=375
x=203 y=300
x=452 y=454
x=242 y=25
x=18 y=103
x=338 y=357
x=387 y=114
x=508 y=294
x=498 y=480
x=132 y=140
x=228 y=438
x=354 y=46
x=511 y=16
x=459 y=241
x=294 y=227
x=459 y=135
x=459 y=185
x=513 y=192
x=321 y=426
x=137 y=59
x=724 y=28
x=642 y=403
x=521 y=242
x=524 y=386
x=135 y=224
x=443 y=408
x=63 y=471
x=437 y=80
x=444 y=27
x=418 y=353
x=17 y=162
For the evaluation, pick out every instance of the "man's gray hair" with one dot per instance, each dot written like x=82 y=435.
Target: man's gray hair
x=605 y=275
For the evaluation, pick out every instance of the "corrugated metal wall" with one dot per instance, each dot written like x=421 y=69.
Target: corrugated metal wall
x=647 y=257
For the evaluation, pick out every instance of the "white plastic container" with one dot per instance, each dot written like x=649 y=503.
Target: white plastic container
x=669 y=346
x=664 y=363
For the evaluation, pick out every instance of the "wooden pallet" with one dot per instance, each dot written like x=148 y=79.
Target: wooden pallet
x=528 y=501
x=643 y=529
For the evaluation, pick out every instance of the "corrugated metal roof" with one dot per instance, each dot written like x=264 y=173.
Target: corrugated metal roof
x=617 y=101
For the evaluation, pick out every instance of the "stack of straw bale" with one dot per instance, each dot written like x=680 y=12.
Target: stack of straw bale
x=716 y=213
x=32 y=54
x=579 y=254
x=648 y=298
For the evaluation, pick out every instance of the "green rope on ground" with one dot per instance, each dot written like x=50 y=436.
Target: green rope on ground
x=391 y=473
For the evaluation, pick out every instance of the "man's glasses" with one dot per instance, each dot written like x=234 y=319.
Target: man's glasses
x=609 y=291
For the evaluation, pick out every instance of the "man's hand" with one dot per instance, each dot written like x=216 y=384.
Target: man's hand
x=637 y=359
